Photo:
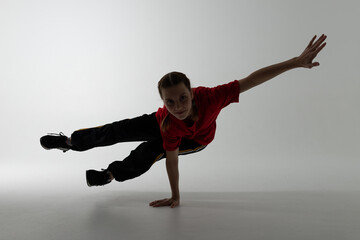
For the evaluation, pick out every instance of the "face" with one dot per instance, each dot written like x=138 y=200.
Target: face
x=178 y=101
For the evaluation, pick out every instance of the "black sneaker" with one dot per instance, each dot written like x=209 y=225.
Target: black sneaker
x=54 y=140
x=97 y=178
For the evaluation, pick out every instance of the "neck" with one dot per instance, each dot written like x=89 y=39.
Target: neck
x=188 y=121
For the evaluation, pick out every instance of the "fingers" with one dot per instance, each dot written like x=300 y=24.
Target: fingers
x=165 y=202
x=311 y=65
x=318 y=43
x=158 y=202
x=311 y=42
x=320 y=48
x=315 y=64
x=174 y=204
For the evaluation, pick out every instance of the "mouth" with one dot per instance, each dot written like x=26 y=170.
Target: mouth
x=180 y=113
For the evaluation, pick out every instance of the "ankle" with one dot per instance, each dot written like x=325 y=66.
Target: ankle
x=68 y=142
x=111 y=177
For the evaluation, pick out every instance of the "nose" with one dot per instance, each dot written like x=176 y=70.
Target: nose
x=177 y=105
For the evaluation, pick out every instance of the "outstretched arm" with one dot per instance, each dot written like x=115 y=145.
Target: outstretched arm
x=304 y=60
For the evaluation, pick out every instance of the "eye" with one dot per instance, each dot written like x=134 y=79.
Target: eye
x=169 y=102
x=183 y=98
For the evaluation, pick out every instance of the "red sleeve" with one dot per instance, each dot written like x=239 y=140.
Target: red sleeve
x=224 y=94
x=170 y=143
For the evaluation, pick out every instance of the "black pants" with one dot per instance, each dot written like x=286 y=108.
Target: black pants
x=145 y=129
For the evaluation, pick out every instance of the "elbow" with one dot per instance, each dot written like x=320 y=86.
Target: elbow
x=245 y=84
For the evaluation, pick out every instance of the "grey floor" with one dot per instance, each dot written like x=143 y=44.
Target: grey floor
x=126 y=215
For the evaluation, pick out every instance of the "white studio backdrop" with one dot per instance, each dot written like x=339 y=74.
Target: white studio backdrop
x=67 y=65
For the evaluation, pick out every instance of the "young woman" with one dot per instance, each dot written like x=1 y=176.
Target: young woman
x=186 y=124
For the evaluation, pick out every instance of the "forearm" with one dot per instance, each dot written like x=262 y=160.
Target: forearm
x=172 y=167
x=173 y=174
x=264 y=74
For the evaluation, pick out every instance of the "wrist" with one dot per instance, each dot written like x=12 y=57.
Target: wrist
x=175 y=196
x=294 y=62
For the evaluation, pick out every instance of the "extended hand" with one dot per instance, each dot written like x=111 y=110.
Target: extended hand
x=172 y=202
x=310 y=52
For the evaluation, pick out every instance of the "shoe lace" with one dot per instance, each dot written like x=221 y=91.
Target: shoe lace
x=57 y=134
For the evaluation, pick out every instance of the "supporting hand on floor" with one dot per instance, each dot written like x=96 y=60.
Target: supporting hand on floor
x=172 y=202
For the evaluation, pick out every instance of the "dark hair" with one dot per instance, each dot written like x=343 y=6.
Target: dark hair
x=173 y=79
